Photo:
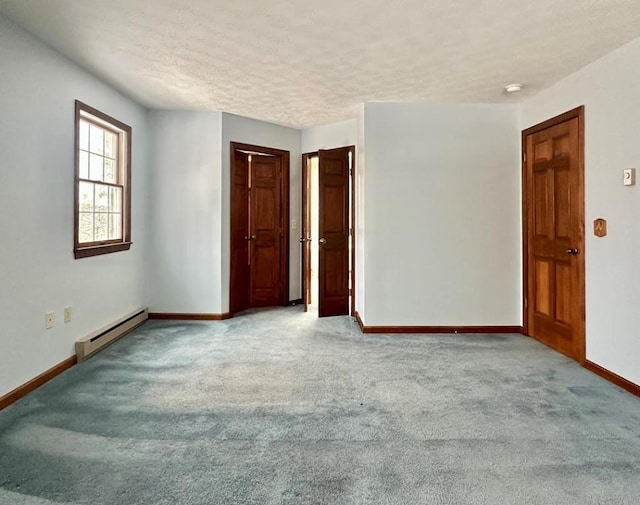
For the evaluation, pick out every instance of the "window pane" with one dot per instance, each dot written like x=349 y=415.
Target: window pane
x=85 y=197
x=84 y=165
x=96 y=139
x=102 y=195
x=85 y=227
x=110 y=171
x=84 y=135
x=102 y=198
x=101 y=227
x=110 y=145
x=115 y=199
x=96 y=167
x=115 y=226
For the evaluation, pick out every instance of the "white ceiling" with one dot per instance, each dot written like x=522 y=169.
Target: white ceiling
x=303 y=63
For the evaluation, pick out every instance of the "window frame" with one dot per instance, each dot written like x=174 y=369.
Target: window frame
x=85 y=250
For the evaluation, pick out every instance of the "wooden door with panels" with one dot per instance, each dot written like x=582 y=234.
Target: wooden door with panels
x=334 y=231
x=553 y=197
x=239 y=269
x=259 y=227
x=335 y=221
x=265 y=228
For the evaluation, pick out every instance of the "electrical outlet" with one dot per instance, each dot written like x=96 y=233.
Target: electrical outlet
x=67 y=314
x=629 y=177
x=48 y=320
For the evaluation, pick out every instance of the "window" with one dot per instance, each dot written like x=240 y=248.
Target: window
x=103 y=183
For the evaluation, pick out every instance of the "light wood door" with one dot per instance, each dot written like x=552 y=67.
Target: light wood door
x=554 y=219
x=333 y=242
x=265 y=200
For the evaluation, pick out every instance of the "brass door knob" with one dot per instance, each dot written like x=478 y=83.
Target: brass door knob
x=573 y=251
x=322 y=241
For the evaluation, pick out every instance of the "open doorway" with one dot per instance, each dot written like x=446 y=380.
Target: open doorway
x=327 y=231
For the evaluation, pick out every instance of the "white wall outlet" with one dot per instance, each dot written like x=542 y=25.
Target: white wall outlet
x=294 y=224
x=48 y=320
x=629 y=177
x=67 y=314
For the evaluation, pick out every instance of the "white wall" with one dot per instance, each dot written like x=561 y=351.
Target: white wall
x=442 y=213
x=330 y=136
x=610 y=91
x=250 y=131
x=360 y=208
x=38 y=272
x=184 y=267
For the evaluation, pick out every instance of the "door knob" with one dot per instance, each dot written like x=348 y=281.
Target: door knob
x=572 y=251
x=302 y=240
x=322 y=241
x=252 y=237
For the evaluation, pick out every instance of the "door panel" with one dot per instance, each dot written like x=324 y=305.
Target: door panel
x=334 y=283
x=239 y=299
x=562 y=200
x=542 y=288
x=555 y=241
x=333 y=196
x=563 y=300
x=264 y=221
x=334 y=232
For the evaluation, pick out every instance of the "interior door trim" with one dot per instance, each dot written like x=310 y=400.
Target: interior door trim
x=352 y=231
x=284 y=214
x=577 y=113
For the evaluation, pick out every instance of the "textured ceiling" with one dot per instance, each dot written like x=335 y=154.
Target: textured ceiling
x=303 y=63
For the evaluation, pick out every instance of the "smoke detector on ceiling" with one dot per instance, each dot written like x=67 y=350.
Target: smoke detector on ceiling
x=513 y=88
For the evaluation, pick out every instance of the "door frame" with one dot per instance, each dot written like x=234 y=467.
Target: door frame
x=284 y=213
x=304 y=232
x=352 y=222
x=577 y=113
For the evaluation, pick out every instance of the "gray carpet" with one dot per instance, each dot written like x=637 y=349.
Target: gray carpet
x=278 y=407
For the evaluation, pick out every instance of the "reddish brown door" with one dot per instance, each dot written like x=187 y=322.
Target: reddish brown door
x=305 y=238
x=259 y=205
x=554 y=217
x=239 y=299
x=333 y=268
x=265 y=230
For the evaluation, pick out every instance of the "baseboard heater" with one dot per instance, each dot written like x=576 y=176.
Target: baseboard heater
x=97 y=340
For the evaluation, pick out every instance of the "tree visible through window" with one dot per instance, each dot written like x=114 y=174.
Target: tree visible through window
x=103 y=175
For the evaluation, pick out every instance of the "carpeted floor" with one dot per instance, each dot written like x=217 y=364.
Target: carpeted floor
x=278 y=407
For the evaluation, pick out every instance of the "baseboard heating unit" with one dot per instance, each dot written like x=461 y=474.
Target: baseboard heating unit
x=97 y=340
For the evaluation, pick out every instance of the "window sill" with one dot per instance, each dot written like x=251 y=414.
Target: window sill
x=86 y=252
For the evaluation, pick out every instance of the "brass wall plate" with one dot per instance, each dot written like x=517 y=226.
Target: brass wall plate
x=600 y=227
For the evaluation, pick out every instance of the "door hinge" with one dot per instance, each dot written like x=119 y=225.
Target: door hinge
x=524 y=156
x=350 y=292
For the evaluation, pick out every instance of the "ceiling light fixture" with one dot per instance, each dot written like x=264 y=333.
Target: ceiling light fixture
x=513 y=88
